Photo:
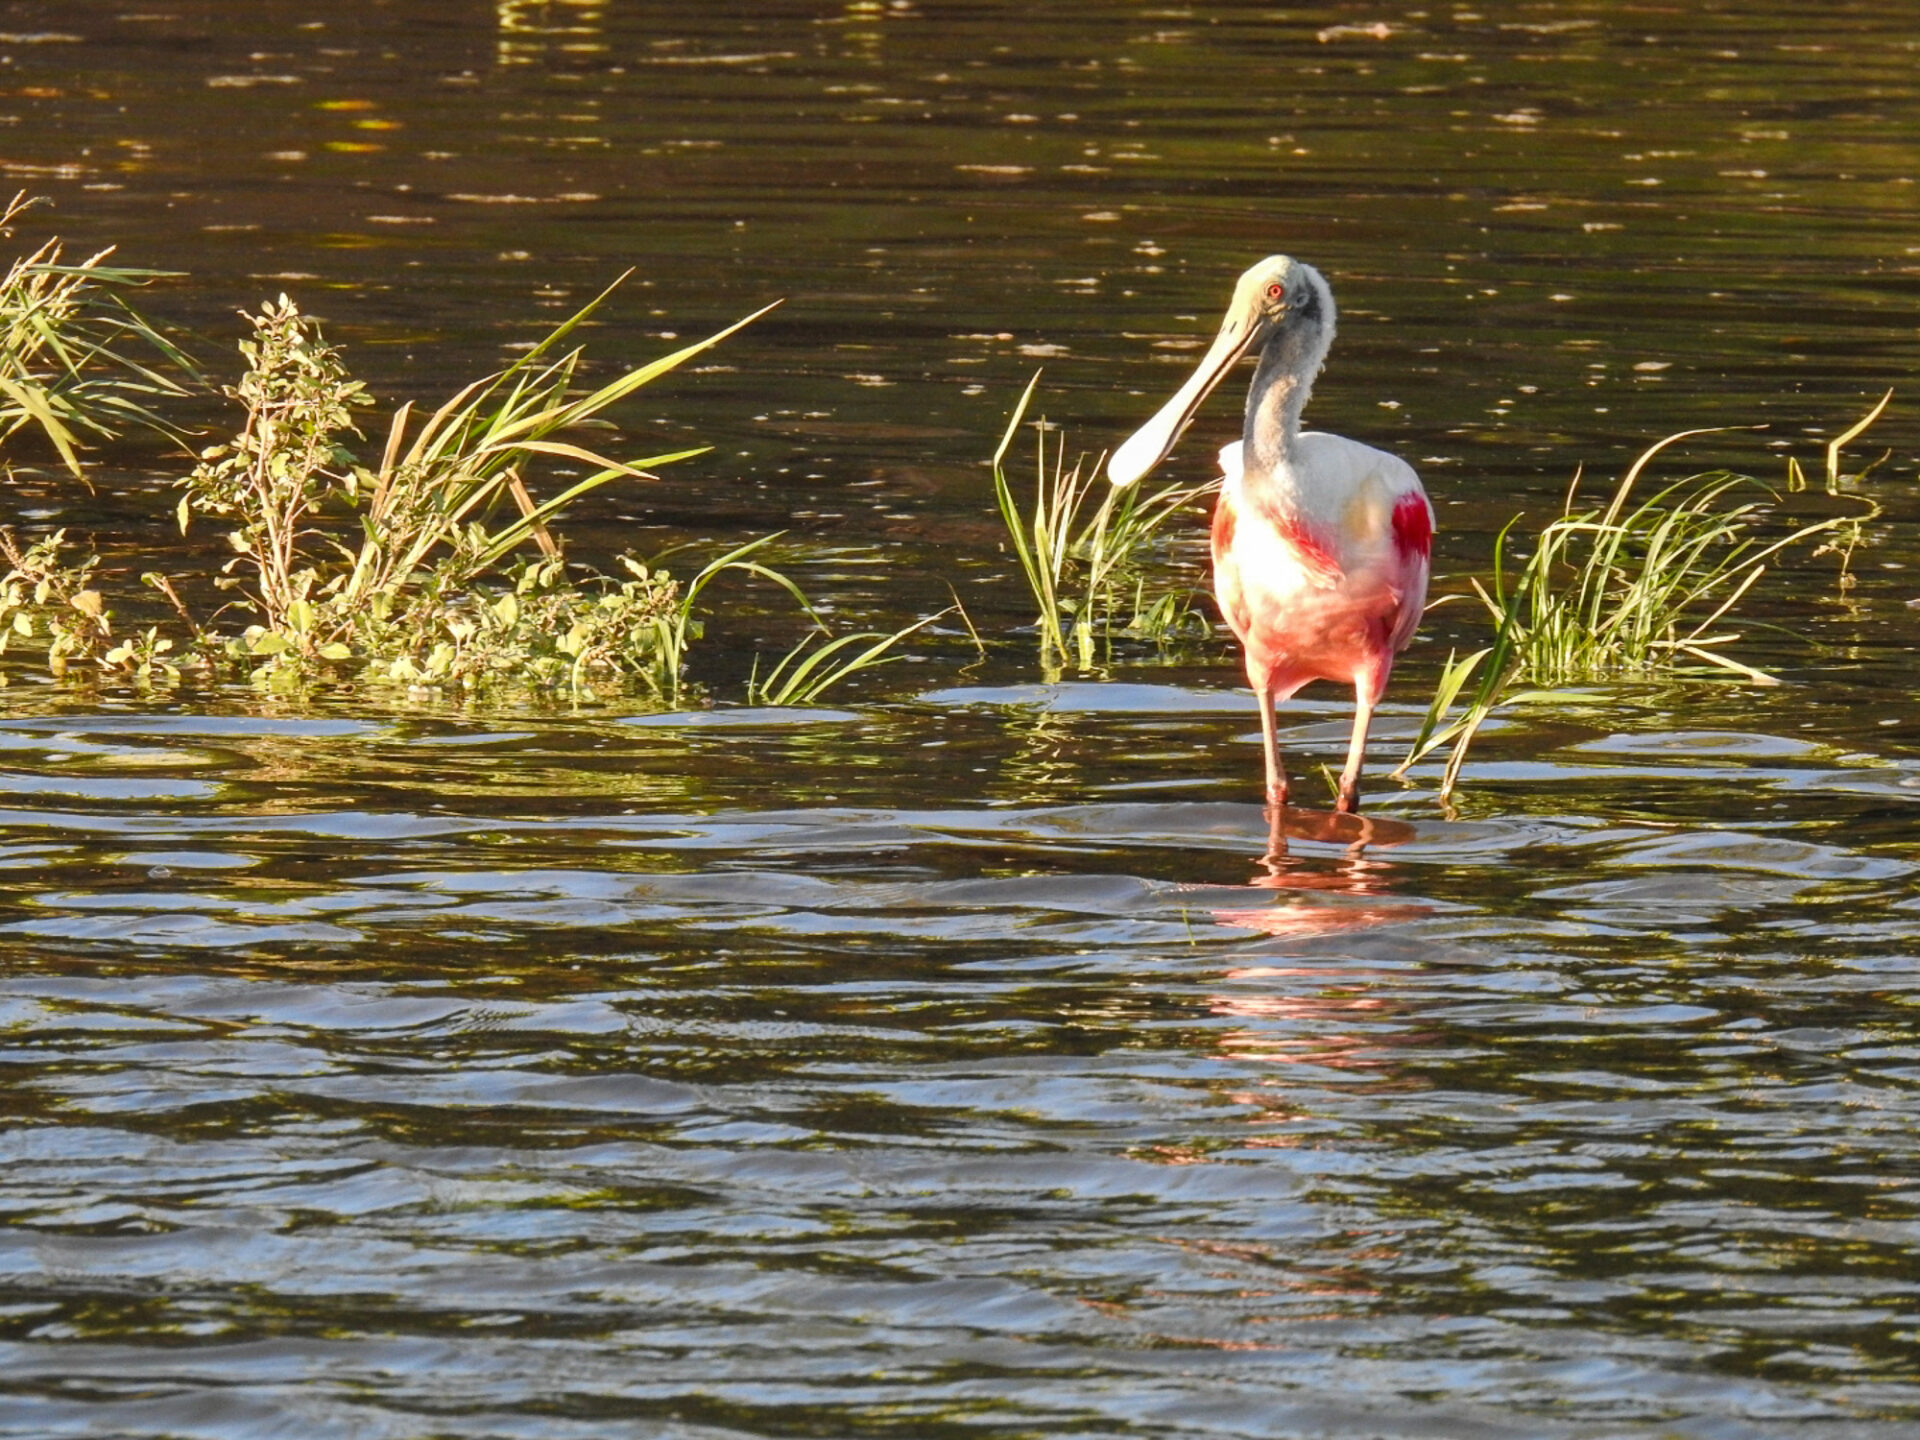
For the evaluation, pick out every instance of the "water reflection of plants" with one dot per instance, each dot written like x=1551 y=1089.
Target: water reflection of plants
x=1049 y=762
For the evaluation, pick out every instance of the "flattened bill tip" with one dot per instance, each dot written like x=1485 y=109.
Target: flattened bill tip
x=1139 y=454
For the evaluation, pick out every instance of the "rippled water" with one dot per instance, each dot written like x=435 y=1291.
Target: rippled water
x=951 y=1062
x=376 y=1077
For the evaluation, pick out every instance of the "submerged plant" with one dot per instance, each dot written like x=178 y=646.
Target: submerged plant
x=1628 y=589
x=65 y=366
x=1085 y=572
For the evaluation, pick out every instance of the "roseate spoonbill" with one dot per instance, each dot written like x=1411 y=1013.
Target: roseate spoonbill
x=1320 y=543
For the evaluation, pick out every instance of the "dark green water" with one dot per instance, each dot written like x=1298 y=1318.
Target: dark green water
x=948 y=1063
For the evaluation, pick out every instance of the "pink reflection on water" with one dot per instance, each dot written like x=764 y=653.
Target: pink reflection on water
x=1336 y=1017
x=1355 y=875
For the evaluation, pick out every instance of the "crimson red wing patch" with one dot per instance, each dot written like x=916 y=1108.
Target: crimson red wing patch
x=1413 y=527
x=1223 y=526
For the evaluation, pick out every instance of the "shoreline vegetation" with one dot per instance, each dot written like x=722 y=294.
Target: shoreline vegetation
x=434 y=564
x=432 y=567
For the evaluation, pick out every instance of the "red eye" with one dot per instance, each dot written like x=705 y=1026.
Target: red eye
x=1274 y=292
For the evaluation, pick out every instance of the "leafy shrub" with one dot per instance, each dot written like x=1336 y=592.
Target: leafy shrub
x=437 y=566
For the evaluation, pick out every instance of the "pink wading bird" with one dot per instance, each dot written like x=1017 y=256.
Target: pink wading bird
x=1320 y=543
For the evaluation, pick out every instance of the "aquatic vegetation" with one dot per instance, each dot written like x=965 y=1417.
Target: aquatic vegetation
x=66 y=366
x=436 y=566
x=456 y=575
x=806 y=672
x=49 y=595
x=1089 y=573
x=1851 y=530
x=1630 y=589
x=277 y=473
x=677 y=626
x=440 y=589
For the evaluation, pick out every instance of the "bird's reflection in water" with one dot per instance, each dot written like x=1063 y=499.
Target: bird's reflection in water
x=1356 y=874
x=1343 y=1016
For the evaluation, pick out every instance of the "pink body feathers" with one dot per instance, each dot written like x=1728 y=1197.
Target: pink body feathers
x=1319 y=581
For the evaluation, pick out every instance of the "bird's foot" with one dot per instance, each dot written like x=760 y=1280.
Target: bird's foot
x=1348 y=802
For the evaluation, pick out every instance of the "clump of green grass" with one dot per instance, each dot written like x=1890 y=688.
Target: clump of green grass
x=68 y=371
x=1631 y=589
x=436 y=566
x=66 y=367
x=1089 y=572
x=820 y=662
x=804 y=675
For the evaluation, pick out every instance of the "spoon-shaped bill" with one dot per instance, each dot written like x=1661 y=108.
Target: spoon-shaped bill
x=1148 y=445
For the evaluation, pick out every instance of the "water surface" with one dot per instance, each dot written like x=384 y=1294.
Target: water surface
x=946 y=1059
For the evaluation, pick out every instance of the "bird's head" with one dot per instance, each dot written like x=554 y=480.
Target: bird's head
x=1279 y=300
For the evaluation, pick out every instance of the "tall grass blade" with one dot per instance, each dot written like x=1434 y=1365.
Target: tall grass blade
x=1087 y=572
x=1847 y=437
x=66 y=366
x=804 y=675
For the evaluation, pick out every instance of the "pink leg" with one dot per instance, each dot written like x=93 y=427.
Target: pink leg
x=1276 y=772
x=1366 y=694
